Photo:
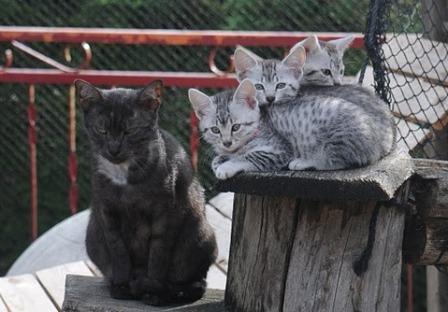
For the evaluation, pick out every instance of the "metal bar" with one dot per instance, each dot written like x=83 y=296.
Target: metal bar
x=32 y=140
x=194 y=140
x=120 y=78
x=72 y=157
x=165 y=37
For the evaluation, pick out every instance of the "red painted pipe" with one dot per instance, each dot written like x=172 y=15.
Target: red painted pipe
x=32 y=141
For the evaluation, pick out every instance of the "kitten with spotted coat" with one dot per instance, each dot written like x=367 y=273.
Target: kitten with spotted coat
x=147 y=231
x=230 y=122
x=327 y=130
x=324 y=64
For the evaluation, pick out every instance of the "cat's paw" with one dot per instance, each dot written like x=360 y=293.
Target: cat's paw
x=301 y=164
x=218 y=160
x=120 y=291
x=156 y=299
x=227 y=170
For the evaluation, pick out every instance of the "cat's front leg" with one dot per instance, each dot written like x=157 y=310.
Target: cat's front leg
x=119 y=257
x=230 y=168
x=218 y=160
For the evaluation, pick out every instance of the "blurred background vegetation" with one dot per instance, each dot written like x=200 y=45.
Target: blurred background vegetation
x=281 y=15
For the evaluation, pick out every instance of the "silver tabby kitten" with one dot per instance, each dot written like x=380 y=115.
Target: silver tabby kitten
x=328 y=127
x=230 y=121
x=324 y=64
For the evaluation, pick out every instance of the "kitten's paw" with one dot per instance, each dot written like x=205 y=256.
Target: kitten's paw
x=301 y=164
x=218 y=160
x=156 y=299
x=120 y=291
x=227 y=170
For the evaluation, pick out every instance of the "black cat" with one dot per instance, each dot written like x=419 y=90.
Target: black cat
x=147 y=231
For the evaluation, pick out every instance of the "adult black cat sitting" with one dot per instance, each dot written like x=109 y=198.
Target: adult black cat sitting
x=147 y=231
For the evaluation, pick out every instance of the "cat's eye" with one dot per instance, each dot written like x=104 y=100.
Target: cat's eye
x=280 y=85
x=130 y=130
x=236 y=127
x=259 y=86
x=215 y=130
x=326 y=72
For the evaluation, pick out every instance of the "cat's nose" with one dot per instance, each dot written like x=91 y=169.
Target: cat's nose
x=227 y=143
x=114 y=148
x=270 y=99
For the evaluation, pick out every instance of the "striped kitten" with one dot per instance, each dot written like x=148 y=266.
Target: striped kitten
x=230 y=122
x=328 y=128
x=324 y=64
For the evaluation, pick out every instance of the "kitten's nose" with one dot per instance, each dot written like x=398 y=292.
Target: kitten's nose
x=227 y=143
x=270 y=99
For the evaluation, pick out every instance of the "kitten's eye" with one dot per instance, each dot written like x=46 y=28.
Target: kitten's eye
x=215 y=130
x=130 y=130
x=280 y=85
x=259 y=86
x=326 y=72
x=236 y=127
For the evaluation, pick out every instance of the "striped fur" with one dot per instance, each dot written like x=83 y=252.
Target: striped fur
x=254 y=146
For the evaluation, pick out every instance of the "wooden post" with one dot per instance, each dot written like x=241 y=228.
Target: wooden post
x=318 y=241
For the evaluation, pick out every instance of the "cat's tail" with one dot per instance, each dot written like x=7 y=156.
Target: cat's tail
x=190 y=292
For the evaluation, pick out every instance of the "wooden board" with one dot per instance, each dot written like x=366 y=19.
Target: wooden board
x=2 y=305
x=414 y=54
x=84 y=294
x=222 y=227
x=223 y=202
x=23 y=293
x=216 y=279
x=376 y=182
x=53 y=279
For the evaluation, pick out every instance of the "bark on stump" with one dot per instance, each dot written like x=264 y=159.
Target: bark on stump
x=299 y=249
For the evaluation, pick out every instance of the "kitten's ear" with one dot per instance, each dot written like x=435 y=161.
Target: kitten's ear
x=150 y=97
x=244 y=60
x=200 y=102
x=310 y=44
x=295 y=60
x=246 y=93
x=343 y=43
x=87 y=94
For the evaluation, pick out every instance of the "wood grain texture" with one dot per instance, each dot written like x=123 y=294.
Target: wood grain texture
x=90 y=294
x=53 y=279
x=23 y=293
x=376 y=182
x=262 y=234
x=329 y=239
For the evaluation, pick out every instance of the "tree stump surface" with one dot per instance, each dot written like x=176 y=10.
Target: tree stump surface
x=376 y=182
x=91 y=294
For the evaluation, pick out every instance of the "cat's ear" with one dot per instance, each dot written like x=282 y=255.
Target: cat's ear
x=87 y=94
x=150 y=97
x=343 y=43
x=200 y=102
x=310 y=44
x=244 y=61
x=295 y=60
x=246 y=94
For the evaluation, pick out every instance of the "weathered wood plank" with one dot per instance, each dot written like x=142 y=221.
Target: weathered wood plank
x=53 y=279
x=3 y=307
x=376 y=182
x=262 y=233
x=329 y=238
x=222 y=227
x=23 y=293
x=90 y=294
x=216 y=279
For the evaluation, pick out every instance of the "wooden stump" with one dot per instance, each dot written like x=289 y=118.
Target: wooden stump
x=335 y=247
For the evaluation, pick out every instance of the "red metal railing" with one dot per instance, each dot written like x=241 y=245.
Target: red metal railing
x=63 y=74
